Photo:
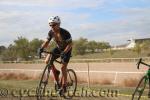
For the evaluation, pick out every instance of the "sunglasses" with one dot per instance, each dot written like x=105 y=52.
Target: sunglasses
x=52 y=25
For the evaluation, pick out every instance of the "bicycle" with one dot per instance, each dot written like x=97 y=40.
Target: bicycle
x=43 y=86
x=143 y=83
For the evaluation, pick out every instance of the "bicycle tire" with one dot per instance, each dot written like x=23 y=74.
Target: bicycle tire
x=71 y=84
x=40 y=91
x=139 y=89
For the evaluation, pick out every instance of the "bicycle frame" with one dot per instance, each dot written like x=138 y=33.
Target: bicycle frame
x=42 y=85
x=142 y=83
x=147 y=75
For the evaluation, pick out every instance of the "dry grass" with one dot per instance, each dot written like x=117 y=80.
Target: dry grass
x=130 y=82
x=19 y=76
x=94 y=81
x=95 y=78
x=81 y=80
x=106 y=82
x=101 y=81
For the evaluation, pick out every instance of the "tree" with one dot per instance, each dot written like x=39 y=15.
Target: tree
x=34 y=45
x=2 y=49
x=103 y=45
x=10 y=53
x=23 y=48
x=92 y=46
x=79 y=46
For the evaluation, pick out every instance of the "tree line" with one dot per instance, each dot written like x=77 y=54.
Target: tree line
x=24 y=49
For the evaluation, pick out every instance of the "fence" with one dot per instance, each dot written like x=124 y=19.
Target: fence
x=88 y=73
x=87 y=60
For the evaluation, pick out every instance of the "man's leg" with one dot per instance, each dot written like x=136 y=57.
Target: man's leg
x=65 y=61
x=53 y=68
x=64 y=74
x=55 y=73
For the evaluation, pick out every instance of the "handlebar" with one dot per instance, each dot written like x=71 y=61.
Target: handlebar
x=44 y=51
x=141 y=62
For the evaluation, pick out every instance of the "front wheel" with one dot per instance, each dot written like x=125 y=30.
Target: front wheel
x=41 y=89
x=139 y=89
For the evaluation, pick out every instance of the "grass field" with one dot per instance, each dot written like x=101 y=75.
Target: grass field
x=18 y=90
x=115 y=54
x=20 y=82
x=15 y=86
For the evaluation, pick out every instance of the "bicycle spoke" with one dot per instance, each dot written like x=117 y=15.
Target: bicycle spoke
x=71 y=84
x=41 y=90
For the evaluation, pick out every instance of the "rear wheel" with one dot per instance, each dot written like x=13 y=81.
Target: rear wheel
x=140 y=88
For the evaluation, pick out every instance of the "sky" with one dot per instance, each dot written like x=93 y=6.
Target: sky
x=113 y=21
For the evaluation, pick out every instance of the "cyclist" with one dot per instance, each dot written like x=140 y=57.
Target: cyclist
x=64 y=47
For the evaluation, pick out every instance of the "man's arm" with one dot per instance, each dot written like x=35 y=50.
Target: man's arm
x=45 y=44
x=68 y=47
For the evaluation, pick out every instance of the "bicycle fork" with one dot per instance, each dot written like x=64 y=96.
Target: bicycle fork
x=45 y=82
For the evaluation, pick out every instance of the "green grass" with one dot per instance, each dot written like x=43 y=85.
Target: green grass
x=16 y=84
x=32 y=84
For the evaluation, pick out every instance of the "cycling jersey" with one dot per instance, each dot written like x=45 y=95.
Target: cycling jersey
x=65 y=38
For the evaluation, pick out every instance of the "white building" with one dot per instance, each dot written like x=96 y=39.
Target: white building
x=131 y=44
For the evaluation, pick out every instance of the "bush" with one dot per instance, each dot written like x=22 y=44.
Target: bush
x=131 y=82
